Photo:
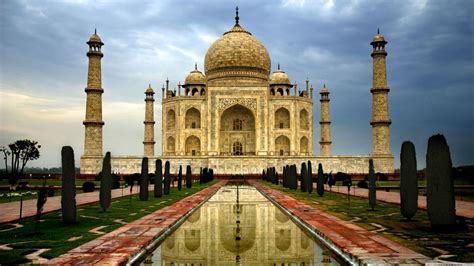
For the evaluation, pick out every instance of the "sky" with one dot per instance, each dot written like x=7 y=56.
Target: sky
x=430 y=66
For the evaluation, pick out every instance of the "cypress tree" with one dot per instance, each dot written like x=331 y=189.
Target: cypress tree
x=408 y=181
x=205 y=175
x=68 y=191
x=320 y=181
x=144 y=180
x=189 y=177
x=200 y=176
x=294 y=180
x=166 y=189
x=180 y=177
x=439 y=183
x=106 y=183
x=304 y=173
x=372 y=187
x=310 y=178
x=158 y=179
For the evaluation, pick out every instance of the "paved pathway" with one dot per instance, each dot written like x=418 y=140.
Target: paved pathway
x=11 y=211
x=463 y=208
x=365 y=247
x=116 y=247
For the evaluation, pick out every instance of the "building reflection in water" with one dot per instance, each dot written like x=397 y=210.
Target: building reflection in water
x=239 y=226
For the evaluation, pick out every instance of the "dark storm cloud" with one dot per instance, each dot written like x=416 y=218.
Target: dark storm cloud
x=429 y=64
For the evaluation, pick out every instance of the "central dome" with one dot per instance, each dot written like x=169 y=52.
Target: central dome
x=237 y=54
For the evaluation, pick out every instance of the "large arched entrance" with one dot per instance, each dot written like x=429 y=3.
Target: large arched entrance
x=237 y=131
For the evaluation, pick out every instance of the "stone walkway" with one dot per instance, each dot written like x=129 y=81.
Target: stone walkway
x=463 y=208
x=116 y=247
x=11 y=211
x=364 y=246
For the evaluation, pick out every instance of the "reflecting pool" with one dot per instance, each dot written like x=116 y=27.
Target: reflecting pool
x=239 y=226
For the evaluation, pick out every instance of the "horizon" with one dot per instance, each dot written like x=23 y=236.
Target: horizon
x=429 y=67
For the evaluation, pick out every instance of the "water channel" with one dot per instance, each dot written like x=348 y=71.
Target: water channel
x=239 y=226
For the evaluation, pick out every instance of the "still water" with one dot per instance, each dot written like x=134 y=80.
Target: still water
x=239 y=226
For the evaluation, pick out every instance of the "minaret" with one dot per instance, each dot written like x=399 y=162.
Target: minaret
x=149 y=141
x=325 y=124
x=93 y=122
x=380 y=116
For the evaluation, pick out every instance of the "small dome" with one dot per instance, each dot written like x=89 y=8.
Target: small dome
x=279 y=77
x=95 y=38
x=324 y=89
x=149 y=89
x=378 y=37
x=195 y=78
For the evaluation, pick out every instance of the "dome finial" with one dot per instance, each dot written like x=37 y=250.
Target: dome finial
x=278 y=65
x=378 y=31
x=236 y=15
x=95 y=31
x=195 y=66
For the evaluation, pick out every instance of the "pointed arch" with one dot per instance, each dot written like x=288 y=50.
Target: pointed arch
x=192 y=118
x=170 y=119
x=282 y=118
x=193 y=146
x=282 y=145
x=304 y=119
x=304 y=149
x=171 y=145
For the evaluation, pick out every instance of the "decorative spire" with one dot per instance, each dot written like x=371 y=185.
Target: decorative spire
x=324 y=85
x=236 y=15
x=195 y=66
x=378 y=31
x=95 y=31
x=149 y=85
x=278 y=65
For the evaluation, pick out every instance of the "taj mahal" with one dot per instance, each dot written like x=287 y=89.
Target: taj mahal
x=237 y=116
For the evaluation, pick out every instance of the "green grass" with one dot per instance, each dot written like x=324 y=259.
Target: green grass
x=416 y=234
x=394 y=183
x=54 y=234
x=5 y=188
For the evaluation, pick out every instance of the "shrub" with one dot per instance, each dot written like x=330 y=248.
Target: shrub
x=180 y=178
x=341 y=176
x=439 y=183
x=144 y=180
x=372 y=186
x=158 y=179
x=68 y=188
x=320 y=181
x=189 y=175
x=105 y=195
x=381 y=177
x=408 y=181
x=166 y=189
x=88 y=187
x=362 y=184
x=304 y=174
x=115 y=181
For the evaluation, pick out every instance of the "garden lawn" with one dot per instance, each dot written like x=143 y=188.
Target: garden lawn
x=60 y=238
x=387 y=221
